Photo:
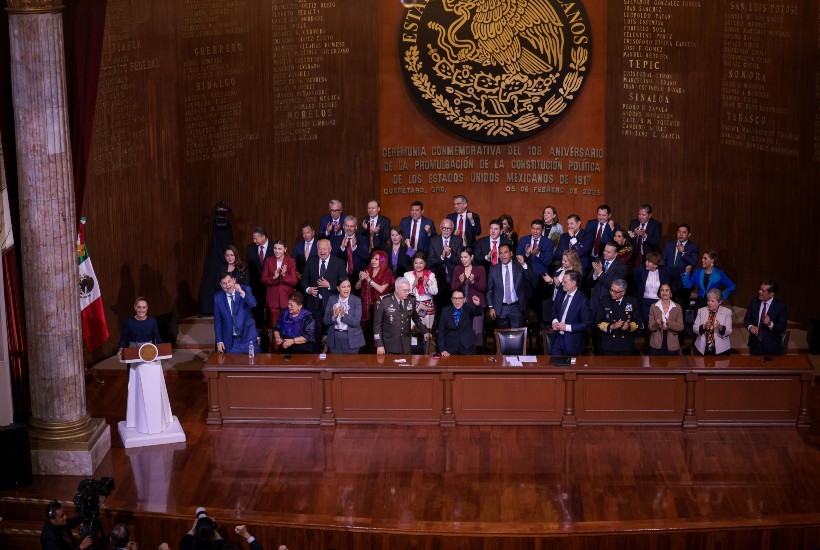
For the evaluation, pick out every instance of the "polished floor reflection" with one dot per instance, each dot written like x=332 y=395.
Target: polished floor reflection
x=470 y=479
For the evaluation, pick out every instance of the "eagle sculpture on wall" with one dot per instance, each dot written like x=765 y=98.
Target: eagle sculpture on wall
x=520 y=36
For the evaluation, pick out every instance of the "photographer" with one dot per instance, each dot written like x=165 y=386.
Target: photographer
x=203 y=536
x=56 y=534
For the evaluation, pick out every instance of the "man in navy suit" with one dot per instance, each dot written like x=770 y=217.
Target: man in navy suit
x=645 y=233
x=571 y=317
x=417 y=229
x=577 y=239
x=603 y=227
x=455 y=326
x=677 y=254
x=486 y=249
x=604 y=271
x=508 y=289
x=537 y=252
x=320 y=280
x=353 y=250
x=257 y=253
x=330 y=226
x=234 y=328
x=466 y=224
x=766 y=320
x=376 y=227
x=305 y=247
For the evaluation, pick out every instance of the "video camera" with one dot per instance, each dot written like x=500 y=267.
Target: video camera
x=87 y=502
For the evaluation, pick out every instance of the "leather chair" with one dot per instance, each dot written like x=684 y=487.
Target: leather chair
x=784 y=339
x=511 y=341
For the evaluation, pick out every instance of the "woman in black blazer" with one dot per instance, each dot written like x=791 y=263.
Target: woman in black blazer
x=397 y=258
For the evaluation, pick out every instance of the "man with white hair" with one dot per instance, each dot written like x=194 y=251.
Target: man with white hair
x=391 y=321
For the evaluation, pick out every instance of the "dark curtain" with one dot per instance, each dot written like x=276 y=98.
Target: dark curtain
x=16 y=328
x=83 y=29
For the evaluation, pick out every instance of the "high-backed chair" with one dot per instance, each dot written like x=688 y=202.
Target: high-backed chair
x=784 y=339
x=511 y=341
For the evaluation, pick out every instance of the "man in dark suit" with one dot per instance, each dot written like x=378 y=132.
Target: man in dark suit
x=455 y=326
x=466 y=224
x=536 y=249
x=645 y=233
x=604 y=271
x=257 y=253
x=320 y=280
x=417 y=229
x=330 y=226
x=617 y=319
x=486 y=250
x=766 y=320
x=577 y=239
x=677 y=254
x=443 y=256
x=56 y=533
x=305 y=247
x=391 y=320
x=603 y=227
x=376 y=227
x=508 y=289
x=234 y=328
x=571 y=317
x=353 y=250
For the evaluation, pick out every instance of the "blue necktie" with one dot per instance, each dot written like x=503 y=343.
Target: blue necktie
x=233 y=315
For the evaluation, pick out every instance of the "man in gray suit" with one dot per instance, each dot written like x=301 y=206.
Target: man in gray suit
x=343 y=319
x=391 y=320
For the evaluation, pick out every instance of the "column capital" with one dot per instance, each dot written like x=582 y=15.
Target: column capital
x=34 y=6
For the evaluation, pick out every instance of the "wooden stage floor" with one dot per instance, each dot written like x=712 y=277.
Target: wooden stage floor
x=357 y=486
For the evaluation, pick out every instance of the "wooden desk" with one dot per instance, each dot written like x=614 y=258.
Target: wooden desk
x=481 y=389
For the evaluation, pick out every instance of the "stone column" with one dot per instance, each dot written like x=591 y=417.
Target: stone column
x=64 y=440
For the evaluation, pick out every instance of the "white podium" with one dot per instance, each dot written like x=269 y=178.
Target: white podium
x=148 y=418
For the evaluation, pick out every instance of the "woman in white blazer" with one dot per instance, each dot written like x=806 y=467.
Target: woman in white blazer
x=713 y=325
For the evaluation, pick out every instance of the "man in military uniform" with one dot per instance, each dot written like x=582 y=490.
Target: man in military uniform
x=391 y=321
x=618 y=317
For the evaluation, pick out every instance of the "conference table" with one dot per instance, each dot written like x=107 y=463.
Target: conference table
x=685 y=391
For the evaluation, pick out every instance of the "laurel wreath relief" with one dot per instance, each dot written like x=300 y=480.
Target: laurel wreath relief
x=514 y=99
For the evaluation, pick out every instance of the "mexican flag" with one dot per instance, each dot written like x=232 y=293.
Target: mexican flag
x=95 y=329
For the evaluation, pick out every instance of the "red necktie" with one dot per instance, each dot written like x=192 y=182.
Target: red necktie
x=494 y=256
x=413 y=235
x=262 y=255
x=597 y=246
x=460 y=228
x=349 y=248
x=760 y=324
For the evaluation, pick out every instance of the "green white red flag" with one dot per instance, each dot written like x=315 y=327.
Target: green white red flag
x=95 y=329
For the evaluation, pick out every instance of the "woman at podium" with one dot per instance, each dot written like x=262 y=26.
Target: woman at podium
x=140 y=328
x=148 y=410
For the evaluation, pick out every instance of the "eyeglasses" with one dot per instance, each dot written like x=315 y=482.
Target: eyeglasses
x=616 y=291
x=458 y=298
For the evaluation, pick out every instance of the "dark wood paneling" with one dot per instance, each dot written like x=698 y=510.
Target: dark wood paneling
x=747 y=205
x=462 y=389
x=149 y=199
